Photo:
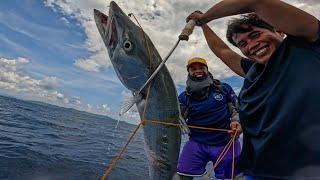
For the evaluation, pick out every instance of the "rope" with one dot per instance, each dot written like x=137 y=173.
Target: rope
x=233 y=157
x=145 y=39
x=113 y=163
x=143 y=121
x=222 y=155
x=179 y=125
x=149 y=58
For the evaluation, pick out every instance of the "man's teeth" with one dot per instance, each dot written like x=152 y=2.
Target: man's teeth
x=258 y=53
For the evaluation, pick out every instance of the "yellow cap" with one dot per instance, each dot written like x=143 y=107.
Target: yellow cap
x=196 y=60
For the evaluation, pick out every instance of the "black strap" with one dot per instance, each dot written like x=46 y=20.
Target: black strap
x=232 y=108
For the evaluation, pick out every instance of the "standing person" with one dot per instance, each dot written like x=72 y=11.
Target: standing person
x=279 y=102
x=207 y=103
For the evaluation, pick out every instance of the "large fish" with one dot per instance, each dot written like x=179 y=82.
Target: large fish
x=128 y=53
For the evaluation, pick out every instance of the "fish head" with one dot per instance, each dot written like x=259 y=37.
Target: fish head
x=126 y=44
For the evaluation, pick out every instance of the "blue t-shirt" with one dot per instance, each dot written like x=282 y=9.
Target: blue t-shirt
x=279 y=109
x=212 y=112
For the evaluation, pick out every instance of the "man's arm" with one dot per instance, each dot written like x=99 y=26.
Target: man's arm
x=222 y=51
x=282 y=16
x=235 y=125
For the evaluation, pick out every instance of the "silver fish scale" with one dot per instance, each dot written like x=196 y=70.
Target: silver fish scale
x=162 y=142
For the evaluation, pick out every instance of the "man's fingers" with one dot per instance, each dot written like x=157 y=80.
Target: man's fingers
x=195 y=15
x=191 y=16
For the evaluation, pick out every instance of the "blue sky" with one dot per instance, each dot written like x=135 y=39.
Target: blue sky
x=51 y=51
x=51 y=42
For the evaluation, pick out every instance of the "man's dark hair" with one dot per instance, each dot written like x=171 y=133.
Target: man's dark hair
x=244 y=24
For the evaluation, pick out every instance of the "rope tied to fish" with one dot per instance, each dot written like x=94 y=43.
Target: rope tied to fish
x=182 y=125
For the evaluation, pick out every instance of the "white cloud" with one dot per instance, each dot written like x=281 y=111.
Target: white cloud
x=65 y=20
x=94 y=63
x=163 y=21
x=106 y=107
x=103 y=109
x=16 y=81
x=49 y=82
x=73 y=102
x=83 y=12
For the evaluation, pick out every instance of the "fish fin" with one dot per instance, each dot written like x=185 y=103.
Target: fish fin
x=128 y=103
x=184 y=127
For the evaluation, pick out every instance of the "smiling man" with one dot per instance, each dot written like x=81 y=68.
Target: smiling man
x=209 y=103
x=279 y=102
x=255 y=38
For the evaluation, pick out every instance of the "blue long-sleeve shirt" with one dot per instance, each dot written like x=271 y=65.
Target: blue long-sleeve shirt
x=213 y=112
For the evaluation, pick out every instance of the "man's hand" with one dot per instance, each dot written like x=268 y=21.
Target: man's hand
x=197 y=16
x=235 y=127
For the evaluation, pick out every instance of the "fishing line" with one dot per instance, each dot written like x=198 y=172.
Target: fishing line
x=113 y=137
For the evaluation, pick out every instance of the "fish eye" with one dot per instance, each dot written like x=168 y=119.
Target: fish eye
x=127 y=45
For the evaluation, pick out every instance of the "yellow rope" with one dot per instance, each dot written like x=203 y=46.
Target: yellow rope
x=179 y=125
x=108 y=171
x=113 y=163
x=145 y=40
x=233 y=157
x=143 y=121
x=149 y=58
x=222 y=155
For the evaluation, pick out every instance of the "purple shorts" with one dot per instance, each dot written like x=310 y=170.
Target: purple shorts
x=195 y=156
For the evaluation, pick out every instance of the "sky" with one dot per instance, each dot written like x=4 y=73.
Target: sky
x=51 y=51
